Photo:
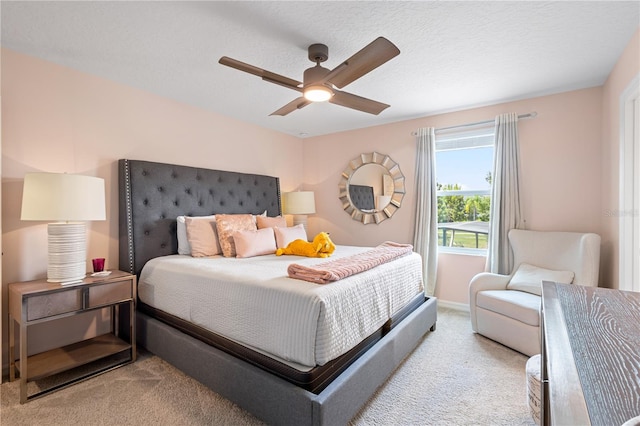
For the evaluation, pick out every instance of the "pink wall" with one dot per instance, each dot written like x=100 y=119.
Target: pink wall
x=57 y=119
x=561 y=172
x=454 y=273
x=627 y=68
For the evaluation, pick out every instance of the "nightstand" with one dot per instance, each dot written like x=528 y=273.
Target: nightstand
x=39 y=301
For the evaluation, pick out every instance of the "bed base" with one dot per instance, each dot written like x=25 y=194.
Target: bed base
x=314 y=380
x=275 y=400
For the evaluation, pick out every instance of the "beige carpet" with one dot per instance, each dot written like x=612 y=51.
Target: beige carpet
x=454 y=377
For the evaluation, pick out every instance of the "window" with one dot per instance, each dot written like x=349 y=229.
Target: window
x=464 y=161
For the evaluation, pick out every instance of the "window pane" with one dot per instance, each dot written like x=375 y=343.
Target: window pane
x=463 y=221
x=467 y=168
x=459 y=208
x=463 y=218
x=462 y=239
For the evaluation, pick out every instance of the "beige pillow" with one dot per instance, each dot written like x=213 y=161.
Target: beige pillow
x=285 y=235
x=271 y=222
x=201 y=234
x=227 y=225
x=529 y=278
x=254 y=243
x=181 y=229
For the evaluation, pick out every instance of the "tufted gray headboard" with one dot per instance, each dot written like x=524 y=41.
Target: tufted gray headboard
x=152 y=195
x=362 y=197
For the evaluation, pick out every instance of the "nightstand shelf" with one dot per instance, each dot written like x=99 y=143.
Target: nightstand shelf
x=57 y=360
x=37 y=302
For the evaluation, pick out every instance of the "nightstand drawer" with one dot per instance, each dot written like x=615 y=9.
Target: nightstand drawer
x=105 y=294
x=48 y=305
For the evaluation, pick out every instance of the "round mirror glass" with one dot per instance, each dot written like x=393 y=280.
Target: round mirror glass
x=372 y=188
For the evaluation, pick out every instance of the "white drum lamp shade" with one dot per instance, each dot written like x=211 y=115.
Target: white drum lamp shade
x=68 y=201
x=299 y=204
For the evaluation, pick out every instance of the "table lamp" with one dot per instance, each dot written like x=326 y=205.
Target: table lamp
x=67 y=200
x=299 y=204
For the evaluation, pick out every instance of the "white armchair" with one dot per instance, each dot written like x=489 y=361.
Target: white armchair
x=506 y=308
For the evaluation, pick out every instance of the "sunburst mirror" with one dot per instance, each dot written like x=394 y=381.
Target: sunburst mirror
x=371 y=188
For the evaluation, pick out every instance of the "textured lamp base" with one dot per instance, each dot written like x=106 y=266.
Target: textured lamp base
x=67 y=252
x=300 y=219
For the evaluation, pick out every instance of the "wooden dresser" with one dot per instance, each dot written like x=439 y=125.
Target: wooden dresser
x=590 y=355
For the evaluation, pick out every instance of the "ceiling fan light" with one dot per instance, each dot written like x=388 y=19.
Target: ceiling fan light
x=317 y=93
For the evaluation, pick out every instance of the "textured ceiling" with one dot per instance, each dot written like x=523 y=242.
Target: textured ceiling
x=454 y=55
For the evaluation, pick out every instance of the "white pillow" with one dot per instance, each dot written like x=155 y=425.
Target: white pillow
x=285 y=235
x=529 y=278
x=183 y=242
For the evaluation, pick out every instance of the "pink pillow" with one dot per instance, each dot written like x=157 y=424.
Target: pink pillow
x=227 y=225
x=254 y=243
x=271 y=222
x=285 y=235
x=201 y=234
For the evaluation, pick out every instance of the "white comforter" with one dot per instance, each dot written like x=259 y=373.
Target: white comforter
x=253 y=301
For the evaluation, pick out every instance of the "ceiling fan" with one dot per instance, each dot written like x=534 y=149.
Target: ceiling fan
x=319 y=83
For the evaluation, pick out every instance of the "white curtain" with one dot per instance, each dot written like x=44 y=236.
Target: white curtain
x=506 y=212
x=425 y=237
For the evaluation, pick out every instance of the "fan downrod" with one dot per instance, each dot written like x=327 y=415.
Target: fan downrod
x=318 y=53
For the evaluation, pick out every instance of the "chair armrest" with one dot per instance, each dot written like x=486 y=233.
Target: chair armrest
x=488 y=281
x=481 y=282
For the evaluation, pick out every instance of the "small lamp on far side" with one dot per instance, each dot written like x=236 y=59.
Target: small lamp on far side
x=67 y=201
x=299 y=204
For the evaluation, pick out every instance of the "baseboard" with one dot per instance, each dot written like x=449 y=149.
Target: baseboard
x=456 y=306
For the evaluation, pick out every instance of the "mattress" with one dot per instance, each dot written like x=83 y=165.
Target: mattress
x=254 y=303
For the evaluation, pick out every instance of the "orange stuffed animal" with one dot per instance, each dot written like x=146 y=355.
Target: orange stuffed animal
x=321 y=246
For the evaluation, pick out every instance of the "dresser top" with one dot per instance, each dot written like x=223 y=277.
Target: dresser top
x=42 y=286
x=598 y=331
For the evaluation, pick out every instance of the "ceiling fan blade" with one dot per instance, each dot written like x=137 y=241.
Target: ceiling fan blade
x=367 y=59
x=350 y=100
x=269 y=76
x=295 y=104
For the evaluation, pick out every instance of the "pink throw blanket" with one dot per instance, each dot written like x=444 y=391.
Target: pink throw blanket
x=337 y=269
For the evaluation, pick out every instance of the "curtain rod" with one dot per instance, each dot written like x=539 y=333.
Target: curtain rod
x=478 y=123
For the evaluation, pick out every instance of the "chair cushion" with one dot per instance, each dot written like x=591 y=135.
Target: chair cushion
x=518 y=305
x=529 y=278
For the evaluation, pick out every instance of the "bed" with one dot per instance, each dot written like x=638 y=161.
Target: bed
x=152 y=195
